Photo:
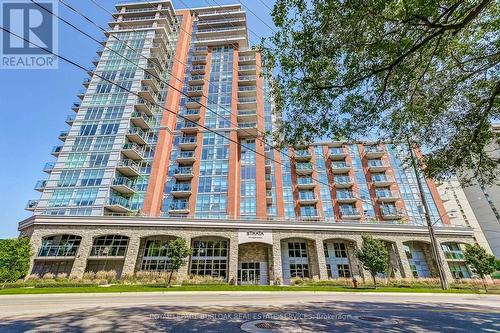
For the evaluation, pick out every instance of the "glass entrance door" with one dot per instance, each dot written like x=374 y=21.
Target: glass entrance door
x=249 y=273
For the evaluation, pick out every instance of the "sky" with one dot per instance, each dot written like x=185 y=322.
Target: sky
x=34 y=103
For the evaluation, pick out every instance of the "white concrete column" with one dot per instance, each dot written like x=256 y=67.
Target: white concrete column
x=81 y=257
x=320 y=254
x=130 y=261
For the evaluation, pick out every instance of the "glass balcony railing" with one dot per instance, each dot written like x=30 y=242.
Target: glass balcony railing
x=70 y=118
x=128 y=163
x=179 y=205
x=376 y=163
x=247 y=77
x=304 y=166
x=247 y=100
x=119 y=201
x=390 y=211
x=337 y=151
x=135 y=147
x=190 y=112
x=381 y=178
x=247 y=125
x=56 y=150
x=186 y=154
x=183 y=171
x=182 y=187
x=342 y=179
x=345 y=195
x=340 y=165
x=247 y=68
x=124 y=181
x=246 y=58
x=40 y=185
x=386 y=194
x=305 y=181
x=188 y=139
x=48 y=166
x=32 y=204
x=302 y=153
x=349 y=211
x=247 y=88
x=196 y=78
x=307 y=195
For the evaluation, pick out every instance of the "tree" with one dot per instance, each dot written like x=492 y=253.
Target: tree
x=481 y=262
x=424 y=70
x=15 y=255
x=177 y=252
x=374 y=256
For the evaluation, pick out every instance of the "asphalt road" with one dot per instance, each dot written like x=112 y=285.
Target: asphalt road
x=250 y=312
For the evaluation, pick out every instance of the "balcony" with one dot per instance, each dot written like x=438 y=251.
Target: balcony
x=246 y=60
x=377 y=165
x=40 y=185
x=187 y=142
x=337 y=153
x=141 y=120
x=56 y=150
x=31 y=205
x=149 y=81
x=48 y=167
x=199 y=60
x=70 y=119
x=144 y=107
x=86 y=82
x=374 y=152
x=247 y=103
x=383 y=180
x=387 y=195
x=350 y=213
x=200 y=50
x=193 y=103
x=147 y=93
x=269 y=197
x=269 y=181
x=244 y=80
x=185 y=157
x=247 y=69
x=179 y=207
x=391 y=212
x=133 y=151
x=118 y=204
x=137 y=135
x=76 y=106
x=340 y=167
x=63 y=135
x=181 y=190
x=304 y=168
x=247 y=91
x=64 y=250
x=81 y=94
x=188 y=127
x=183 y=173
x=191 y=114
x=196 y=80
x=302 y=155
x=128 y=168
x=307 y=197
x=343 y=181
x=309 y=213
x=247 y=116
x=345 y=196
x=198 y=69
x=194 y=91
x=247 y=129
x=153 y=69
x=304 y=183
x=123 y=185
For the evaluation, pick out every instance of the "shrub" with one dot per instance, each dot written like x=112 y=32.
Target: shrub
x=62 y=277
x=106 y=275
x=48 y=276
x=200 y=279
x=32 y=277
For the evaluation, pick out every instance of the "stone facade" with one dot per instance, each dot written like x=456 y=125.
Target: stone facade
x=138 y=231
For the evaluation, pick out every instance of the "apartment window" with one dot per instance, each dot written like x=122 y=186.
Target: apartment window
x=60 y=198
x=94 y=113
x=68 y=178
x=114 y=112
x=104 y=143
x=88 y=129
x=82 y=144
x=109 y=128
x=85 y=196
x=92 y=177
x=155 y=256
x=98 y=160
x=75 y=160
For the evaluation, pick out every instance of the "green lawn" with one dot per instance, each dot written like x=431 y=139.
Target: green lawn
x=146 y=288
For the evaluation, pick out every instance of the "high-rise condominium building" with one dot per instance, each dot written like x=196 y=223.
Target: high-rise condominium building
x=168 y=141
